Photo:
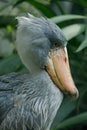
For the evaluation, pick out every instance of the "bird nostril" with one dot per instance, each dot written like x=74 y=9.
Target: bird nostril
x=65 y=59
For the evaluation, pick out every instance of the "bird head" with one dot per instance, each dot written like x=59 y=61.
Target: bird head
x=42 y=46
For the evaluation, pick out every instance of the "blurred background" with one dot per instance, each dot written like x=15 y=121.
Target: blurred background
x=71 y=17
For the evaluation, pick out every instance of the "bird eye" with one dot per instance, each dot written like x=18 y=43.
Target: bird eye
x=56 y=44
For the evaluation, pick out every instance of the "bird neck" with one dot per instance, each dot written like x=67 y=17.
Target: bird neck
x=35 y=72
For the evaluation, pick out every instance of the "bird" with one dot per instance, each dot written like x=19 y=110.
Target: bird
x=30 y=101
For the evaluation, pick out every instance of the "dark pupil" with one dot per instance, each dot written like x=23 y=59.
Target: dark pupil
x=55 y=44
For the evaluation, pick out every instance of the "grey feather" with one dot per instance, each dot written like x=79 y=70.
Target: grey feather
x=36 y=107
x=35 y=37
x=31 y=101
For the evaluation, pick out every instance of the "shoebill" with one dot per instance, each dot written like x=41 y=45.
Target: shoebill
x=30 y=101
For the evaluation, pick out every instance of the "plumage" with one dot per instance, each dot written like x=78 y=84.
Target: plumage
x=31 y=107
x=30 y=101
x=35 y=37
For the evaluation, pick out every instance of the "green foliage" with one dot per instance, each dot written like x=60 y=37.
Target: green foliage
x=63 y=112
x=71 y=113
x=61 y=18
x=80 y=2
x=72 y=31
x=10 y=64
x=81 y=118
x=84 y=42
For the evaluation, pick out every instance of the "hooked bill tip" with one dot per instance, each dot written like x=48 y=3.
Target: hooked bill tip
x=75 y=95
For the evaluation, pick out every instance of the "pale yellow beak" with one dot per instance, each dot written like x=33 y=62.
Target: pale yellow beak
x=57 y=66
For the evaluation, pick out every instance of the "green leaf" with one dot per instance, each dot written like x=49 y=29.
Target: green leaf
x=72 y=31
x=44 y=1
x=45 y=9
x=83 y=2
x=9 y=3
x=65 y=109
x=81 y=118
x=84 y=43
x=6 y=48
x=62 y=18
x=82 y=46
x=80 y=2
x=10 y=64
